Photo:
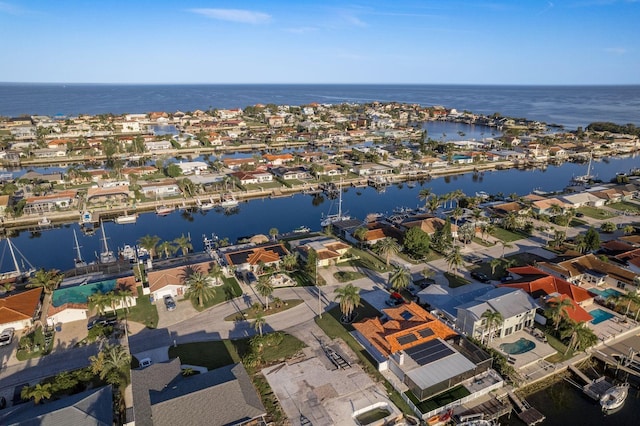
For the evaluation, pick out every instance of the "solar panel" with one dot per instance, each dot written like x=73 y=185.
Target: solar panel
x=428 y=352
x=403 y=340
x=426 y=332
x=406 y=315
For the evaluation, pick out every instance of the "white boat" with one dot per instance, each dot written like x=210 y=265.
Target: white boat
x=44 y=222
x=106 y=256
x=78 y=261
x=204 y=206
x=585 y=178
x=17 y=273
x=228 y=200
x=164 y=210
x=301 y=230
x=482 y=195
x=614 y=397
x=335 y=218
x=126 y=218
x=128 y=252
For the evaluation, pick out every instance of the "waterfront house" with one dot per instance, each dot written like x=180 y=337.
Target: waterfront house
x=51 y=202
x=20 y=310
x=157 y=145
x=329 y=251
x=590 y=270
x=432 y=162
x=93 y=407
x=237 y=163
x=276 y=160
x=192 y=167
x=582 y=199
x=118 y=194
x=162 y=188
x=162 y=395
x=171 y=281
x=291 y=173
x=49 y=152
x=372 y=169
x=545 y=206
x=250 y=257
x=427 y=223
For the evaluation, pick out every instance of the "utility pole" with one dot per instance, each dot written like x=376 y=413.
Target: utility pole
x=319 y=293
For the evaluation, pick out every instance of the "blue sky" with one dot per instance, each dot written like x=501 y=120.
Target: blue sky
x=278 y=41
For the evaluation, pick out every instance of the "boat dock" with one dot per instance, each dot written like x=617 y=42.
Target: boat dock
x=491 y=409
x=594 y=388
x=524 y=411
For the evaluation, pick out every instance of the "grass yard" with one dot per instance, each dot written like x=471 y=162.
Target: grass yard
x=455 y=280
x=625 y=206
x=507 y=236
x=289 y=347
x=212 y=355
x=439 y=400
x=595 y=213
x=482 y=242
x=560 y=347
x=347 y=276
x=250 y=313
x=364 y=259
x=227 y=291
x=144 y=312
x=301 y=278
x=263 y=185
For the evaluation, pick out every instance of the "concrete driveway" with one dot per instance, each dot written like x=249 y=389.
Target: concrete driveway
x=184 y=311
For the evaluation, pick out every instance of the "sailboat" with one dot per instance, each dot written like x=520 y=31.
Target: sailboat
x=78 y=261
x=106 y=256
x=585 y=178
x=17 y=273
x=334 y=218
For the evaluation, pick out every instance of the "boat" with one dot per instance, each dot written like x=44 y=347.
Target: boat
x=335 y=218
x=585 y=178
x=482 y=195
x=78 y=261
x=106 y=256
x=228 y=201
x=164 y=210
x=17 y=273
x=126 y=218
x=128 y=253
x=301 y=230
x=207 y=205
x=614 y=397
x=44 y=222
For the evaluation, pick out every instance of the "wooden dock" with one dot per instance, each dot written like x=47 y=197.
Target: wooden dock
x=593 y=388
x=526 y=412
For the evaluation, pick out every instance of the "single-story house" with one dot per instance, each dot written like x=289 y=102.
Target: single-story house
x=249 y=257
x=20 y=310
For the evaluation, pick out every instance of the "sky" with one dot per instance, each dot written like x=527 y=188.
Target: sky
x=330 y=41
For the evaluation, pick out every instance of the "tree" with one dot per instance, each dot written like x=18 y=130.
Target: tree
x=173 y=170
x=608 y=227
x=399 y=278
x=112 y=364
x=424 y=195
x=416 y=242
x=167 y=248
x=184 y=244
x=215 y=272
x=454 y=259
x=38 y=392
x=47 y=280
x=289 y=261
x=494 y=264
x=360 y=233
x=558 y=238
x=264 y=287
x=433 y=204
x=628 y=229
x=580 y=336
x=198 y=288
x=493 y=320
x=149 y=243
x=99 y=302
x=388 y=247
x=273 y=232
x=259 y=322
x=558 y=309
x=505 y=245
x=629 y=297
x=466 y=232
x=442 y=239
x=510 y=221
x=349 y=299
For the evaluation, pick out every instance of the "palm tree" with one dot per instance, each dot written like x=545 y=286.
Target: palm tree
x=184 y=244
x=198 y=288
x=99 y=302
x=264 y=287
x=149 y=243
x=494 y=264
x=400 y=278
x=558 y=238
x=476 y=214
x=38 y=392
x=122 y=295
x=360 y=233
x=424 y=195
x=488 y=229
x=167 y=248
x=493 y=319
x=505 y=245
x=273 y=232
x=112 y=364
x=510 y=221
x=433 y=204
x=48 y=280
x=388 y=247
x=628 y=229
x=290 y=261
x=349 y=299
x=259 y=322
x=581 y=336
x=454 y=259
x=216 y=272
x=629 y=297
x=558 y=309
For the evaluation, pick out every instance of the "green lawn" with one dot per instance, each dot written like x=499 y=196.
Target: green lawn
x=367 y=260
x=37 y=341
x=301 y=278
x=625 y=206
x=144 y=312
x=482 y=242
x=346 y=276
x=507 y=236
x=264 y=185
x=335 y=329
x=455 y=280
x=227 y=291
x=206 y=354
x=250 y=313
x=439 y=400
x=560 y=347
x=595 y=213
x=289 y=347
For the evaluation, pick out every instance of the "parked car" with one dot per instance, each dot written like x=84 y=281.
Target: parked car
x=251 y=277
x=480 y=277
x=395 y=299
x=506 y=278
x=6 y=336
x=145 y=362
x=103 y=321
x=169 y=303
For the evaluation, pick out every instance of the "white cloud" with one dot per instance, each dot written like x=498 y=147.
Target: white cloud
x=234 y=15
x=616 y=50
x=354 y=20
x=301 y=30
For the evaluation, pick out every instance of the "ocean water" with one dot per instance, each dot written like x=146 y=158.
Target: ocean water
x=571 y=106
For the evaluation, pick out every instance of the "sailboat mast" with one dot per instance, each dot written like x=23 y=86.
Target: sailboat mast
x=104 y=238
x=13 y=256
x=340 y=199
x=75 y=237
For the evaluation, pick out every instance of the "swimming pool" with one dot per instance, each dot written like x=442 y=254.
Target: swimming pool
x=605 y=293
x=80 y=294
x=600 y=315
x=520 y=346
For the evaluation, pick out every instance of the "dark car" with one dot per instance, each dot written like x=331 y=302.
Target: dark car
x=480 y=277
x=103 y=321
x=579 y=214
x=169 y=303
x=251 y=277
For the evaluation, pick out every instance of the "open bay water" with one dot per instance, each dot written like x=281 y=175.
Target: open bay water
x=571 y=106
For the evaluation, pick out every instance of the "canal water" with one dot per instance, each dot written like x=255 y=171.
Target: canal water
x=54 y=248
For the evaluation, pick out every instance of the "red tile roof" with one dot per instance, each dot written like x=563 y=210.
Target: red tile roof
x=19 y=306
x=542 y=281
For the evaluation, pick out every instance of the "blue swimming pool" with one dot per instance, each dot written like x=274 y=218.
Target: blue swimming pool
x=600 y=315
x=605 y=293
x=80 y=294
x=520 y=346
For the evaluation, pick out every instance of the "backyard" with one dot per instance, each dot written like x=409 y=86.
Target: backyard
x=595 y=213
x=144 y=312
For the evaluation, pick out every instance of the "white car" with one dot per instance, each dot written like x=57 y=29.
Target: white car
x=6 y=336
